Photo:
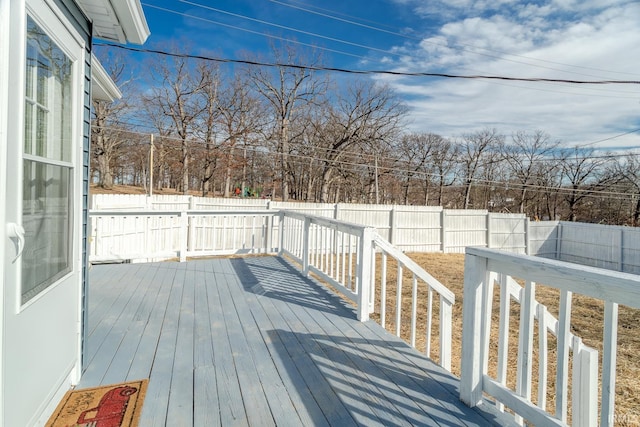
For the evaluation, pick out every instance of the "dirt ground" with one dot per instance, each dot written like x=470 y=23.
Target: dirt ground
x=586 y=322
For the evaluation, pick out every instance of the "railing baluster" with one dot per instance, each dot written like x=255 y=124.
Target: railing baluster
x=399 y=299
x=383 y=291
x=414 y=309
x=584 y=409
x=542 y=356
x=609 y=348
x=372 y=293
x=350 y=276
x=503 y=333
x=562 y=375
x=525 y=343
x=344 y=257
x=427 y=349
x=446 y=332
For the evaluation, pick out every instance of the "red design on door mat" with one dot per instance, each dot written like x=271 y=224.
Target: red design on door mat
x=111 y=409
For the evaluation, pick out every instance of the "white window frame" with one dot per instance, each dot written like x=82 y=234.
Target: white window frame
x=55 y=24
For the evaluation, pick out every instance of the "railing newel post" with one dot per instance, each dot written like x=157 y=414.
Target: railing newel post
x=475 y=275
x=364 y=273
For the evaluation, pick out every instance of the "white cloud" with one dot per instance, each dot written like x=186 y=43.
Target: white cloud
x=593 y=40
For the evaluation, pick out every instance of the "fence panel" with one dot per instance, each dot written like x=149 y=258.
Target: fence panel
x=464 y=228
x=590 y=244
x=508 y=232
x=375 y=216
x=543 y=238
x=416 y=228
x=630 y=249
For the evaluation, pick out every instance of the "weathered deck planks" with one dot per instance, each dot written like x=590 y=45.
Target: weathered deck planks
x=251 y=342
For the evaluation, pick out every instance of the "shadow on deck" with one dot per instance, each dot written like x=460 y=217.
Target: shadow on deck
x=250 y=341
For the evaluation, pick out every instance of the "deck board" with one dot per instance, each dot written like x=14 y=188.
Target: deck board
x=251 y=342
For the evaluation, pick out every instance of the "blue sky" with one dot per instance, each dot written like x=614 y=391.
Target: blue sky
x=566 y=39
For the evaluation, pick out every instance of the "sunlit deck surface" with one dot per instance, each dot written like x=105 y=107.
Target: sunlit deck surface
x=250 y=341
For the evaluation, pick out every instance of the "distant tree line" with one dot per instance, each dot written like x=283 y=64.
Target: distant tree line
x=289 y=133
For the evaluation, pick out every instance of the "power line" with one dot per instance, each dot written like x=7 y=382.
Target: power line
x=370 y=72
x=365 y=46
x=251 y=31
x=472 y=50
x=357 y=165
x=284 y=27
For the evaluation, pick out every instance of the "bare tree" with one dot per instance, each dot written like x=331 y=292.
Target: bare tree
x=473 y=154
x=177 y=98
x=287 y=91
x=107 y=136
x=368 y=116
x=241 y=116
x=442 y=158
x=207 y=128
x=627 y=174
x=414 y=149
x=525 y=157
x=583 y=174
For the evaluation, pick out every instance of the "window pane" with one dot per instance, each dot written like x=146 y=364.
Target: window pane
x=49 y=76
x=47 y=192
x=28 y=127
x=46 y=218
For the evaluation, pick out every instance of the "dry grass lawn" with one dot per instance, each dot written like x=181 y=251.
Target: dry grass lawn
x=586 y=322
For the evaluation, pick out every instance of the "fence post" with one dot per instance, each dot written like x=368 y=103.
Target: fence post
x=192 y=226
x=489 y=229
x=621 y=253
x=527 y=237
x=336 y=211
x=443 y=231
x=392 y=225
x=475 y=277
x=184 y=219
x=559 y=241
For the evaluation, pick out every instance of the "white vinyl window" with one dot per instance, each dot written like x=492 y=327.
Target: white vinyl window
x=47 y=163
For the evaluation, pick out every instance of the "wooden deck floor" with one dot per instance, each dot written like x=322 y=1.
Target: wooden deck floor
x=250 y=341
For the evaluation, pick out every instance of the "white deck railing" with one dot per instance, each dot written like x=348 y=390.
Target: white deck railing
x=157 y=235
x=344 y=255
x=341 y=253
x=419 y=278
x=483 y=268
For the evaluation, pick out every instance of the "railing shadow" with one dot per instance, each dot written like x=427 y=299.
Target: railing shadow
x=368 y=382
x=274 y=277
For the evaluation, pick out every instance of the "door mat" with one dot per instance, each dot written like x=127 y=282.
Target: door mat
x=116 y=405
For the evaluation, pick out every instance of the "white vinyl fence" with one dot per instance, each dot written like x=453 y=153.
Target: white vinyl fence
x=605 y=246
x=409 y=228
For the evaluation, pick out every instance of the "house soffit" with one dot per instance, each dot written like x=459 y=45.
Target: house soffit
x=120 y=21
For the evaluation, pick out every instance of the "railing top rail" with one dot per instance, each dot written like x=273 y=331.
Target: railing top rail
x=327 y=222
x=173 y=212
x=446 y=293
x=606 y=285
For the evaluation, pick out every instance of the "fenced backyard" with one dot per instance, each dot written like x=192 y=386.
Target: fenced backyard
x=358 y=260
x=126 y=226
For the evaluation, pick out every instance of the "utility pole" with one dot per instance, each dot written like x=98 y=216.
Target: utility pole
x=151 y=168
